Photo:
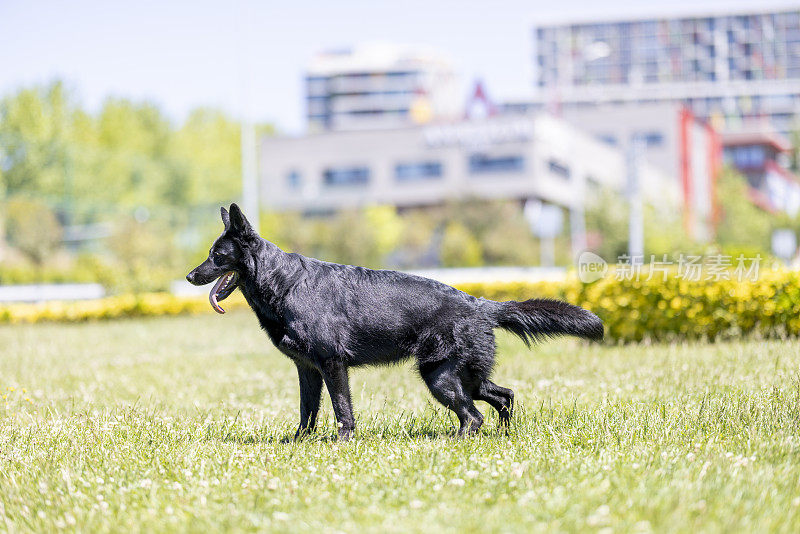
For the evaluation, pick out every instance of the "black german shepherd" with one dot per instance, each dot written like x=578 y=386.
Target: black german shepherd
x=327 y=317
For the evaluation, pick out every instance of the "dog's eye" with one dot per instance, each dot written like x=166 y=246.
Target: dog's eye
x=218 y=256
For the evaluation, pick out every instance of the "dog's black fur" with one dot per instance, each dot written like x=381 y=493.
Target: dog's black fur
x=328 y=317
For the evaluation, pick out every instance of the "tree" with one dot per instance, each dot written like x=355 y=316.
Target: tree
x=144 y=255
x=32 y=228
x=607 y=224
x=459 y=247
x=743 y=225
x=34 y=132
x=208 y=147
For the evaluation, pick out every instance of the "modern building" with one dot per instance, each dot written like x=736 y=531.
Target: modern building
x=655 y=124
x=739 y=70
x=537 y=157
x=380 y=86
x=761 y=157
x=668 y=138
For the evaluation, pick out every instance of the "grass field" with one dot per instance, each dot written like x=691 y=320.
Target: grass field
x=181 y=424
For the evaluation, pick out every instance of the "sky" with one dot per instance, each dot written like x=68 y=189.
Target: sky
x=249 y=57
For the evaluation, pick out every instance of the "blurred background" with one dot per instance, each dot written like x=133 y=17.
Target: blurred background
x=506 y=137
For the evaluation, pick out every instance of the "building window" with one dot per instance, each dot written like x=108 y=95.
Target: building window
x=746 y=157
x=346 y=176
x=558 y=168
x=317 y=85
x=608 y=139
x=294 y=180
x=652 y=139
x=484 y=163
x=426 y=170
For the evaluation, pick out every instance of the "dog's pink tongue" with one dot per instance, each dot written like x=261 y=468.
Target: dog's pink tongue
x=212 y=297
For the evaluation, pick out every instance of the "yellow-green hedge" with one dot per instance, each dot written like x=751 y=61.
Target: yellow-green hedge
x=676 y=308
x=141 y=305
x=632 y=310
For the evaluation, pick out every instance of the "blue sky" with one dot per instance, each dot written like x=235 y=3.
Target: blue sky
x=249 y=57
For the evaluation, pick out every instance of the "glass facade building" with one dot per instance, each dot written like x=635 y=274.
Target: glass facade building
x=734 y=70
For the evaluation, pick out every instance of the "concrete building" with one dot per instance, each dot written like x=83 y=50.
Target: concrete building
x=735 y=70
x=380 y=86
x=762 y=158
x=655 y=124
x=667 y=141
x=534 y=157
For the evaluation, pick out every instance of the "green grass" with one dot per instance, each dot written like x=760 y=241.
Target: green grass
x=180 y=424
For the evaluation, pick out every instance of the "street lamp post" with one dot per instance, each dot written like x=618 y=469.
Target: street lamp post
x=249 y=173
x=636 y=218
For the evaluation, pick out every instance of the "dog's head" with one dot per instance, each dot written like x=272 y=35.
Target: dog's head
x=226 y=259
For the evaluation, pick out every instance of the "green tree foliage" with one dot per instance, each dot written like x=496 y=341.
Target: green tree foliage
x=665 y=234
x=101 y=168
x=468 y=233
x=35 y=128
x=145 y=256
x=128 y=155
x=460 y=248
x=607 y=224
x=359 y=237
x=208 y=147
x=498 y=226
x=743 y=227
x=32 y=229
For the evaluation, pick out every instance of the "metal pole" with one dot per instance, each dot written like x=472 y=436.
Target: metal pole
x=636 y=220
x=250 y=202
x=69 y=188
x=2 y=209
x=577 y=219
x=547 y=251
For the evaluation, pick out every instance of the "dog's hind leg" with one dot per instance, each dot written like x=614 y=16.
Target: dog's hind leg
x=334 y=373
x=444 y=382
x=500 y=398
x=310 y=393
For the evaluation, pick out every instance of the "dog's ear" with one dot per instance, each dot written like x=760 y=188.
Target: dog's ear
x=226 y=219
x=239 y=222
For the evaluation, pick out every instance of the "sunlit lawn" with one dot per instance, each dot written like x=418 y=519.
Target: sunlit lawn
x=181 y=424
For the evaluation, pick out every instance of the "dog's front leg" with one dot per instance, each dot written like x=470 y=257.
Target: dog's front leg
x=335 y=375
x=310 y=392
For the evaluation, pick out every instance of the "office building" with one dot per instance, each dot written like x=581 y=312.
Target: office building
x=734 y=70
x=534 y=157
x=380 y=86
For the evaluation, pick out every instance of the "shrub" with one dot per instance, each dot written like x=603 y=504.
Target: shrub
x=142 y=305
x=643 y=310
x=675 y=309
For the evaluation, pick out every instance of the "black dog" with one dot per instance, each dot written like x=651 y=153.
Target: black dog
x=327 y=317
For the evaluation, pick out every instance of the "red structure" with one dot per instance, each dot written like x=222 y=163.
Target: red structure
x=700 y=153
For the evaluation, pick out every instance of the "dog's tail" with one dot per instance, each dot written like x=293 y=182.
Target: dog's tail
x=536 y=319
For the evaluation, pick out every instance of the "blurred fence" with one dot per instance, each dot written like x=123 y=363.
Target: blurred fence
x=50 y=292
